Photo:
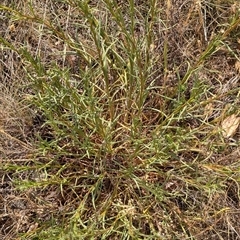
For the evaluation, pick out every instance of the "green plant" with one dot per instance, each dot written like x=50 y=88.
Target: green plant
x=125 y=143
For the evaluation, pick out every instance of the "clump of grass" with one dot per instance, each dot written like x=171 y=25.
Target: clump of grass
x=125 y=144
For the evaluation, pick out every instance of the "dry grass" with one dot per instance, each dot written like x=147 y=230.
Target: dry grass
x=111 y=119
